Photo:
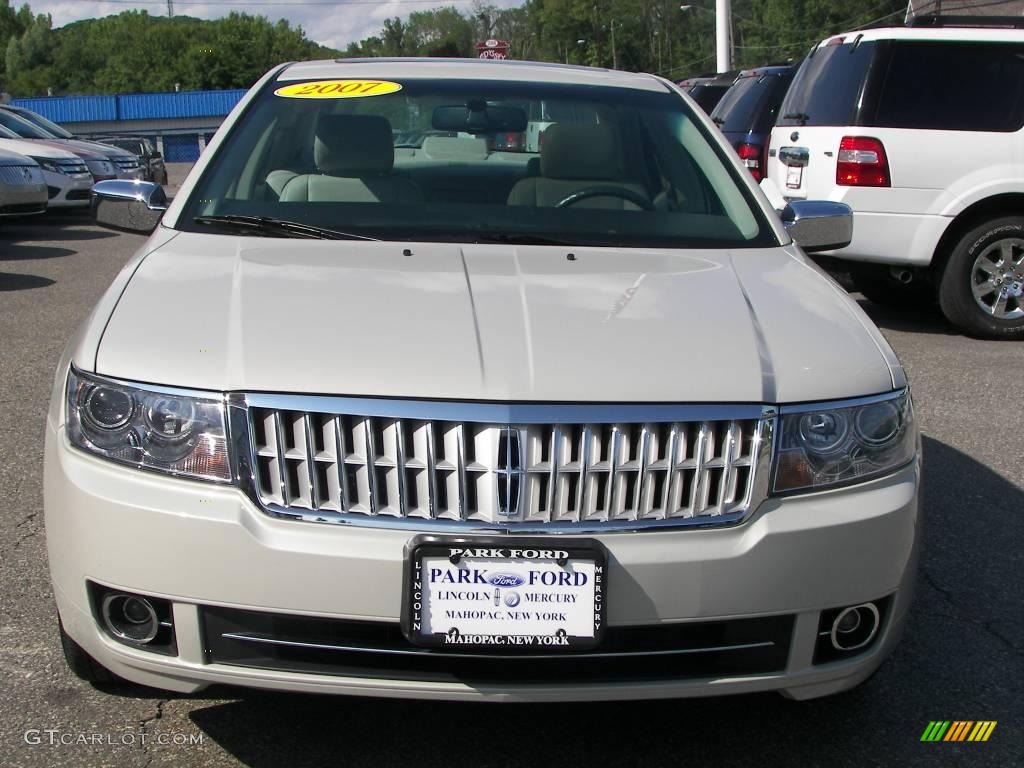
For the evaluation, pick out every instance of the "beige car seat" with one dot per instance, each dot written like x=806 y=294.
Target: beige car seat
x=354 y=155
x=574 y=157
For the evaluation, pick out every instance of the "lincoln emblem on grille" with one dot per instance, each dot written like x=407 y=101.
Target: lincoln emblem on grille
x=510 y=472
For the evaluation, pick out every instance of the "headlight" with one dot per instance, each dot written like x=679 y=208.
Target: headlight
x=48 y=165
x=820 y=447
x=166 y=430
x=100 y=167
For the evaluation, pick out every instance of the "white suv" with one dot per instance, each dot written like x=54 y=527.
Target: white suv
x=919 y=130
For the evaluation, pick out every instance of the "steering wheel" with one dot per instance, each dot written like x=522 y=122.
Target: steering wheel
x=606 y=190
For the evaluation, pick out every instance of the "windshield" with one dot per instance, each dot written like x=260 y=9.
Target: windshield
x=826 y=89
x=21 y=127
x=41 y=122
x=477 y=161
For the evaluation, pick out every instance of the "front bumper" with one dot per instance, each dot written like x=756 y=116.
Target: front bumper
x=203 y=546
x=68 y=191
x=23 y=200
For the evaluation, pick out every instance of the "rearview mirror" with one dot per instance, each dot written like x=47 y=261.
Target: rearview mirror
x=135 y=206
x=478 y=117
x=819 y=225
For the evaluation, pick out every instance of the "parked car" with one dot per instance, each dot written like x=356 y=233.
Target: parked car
x=919 y=130
x=99 y=165
x=152 y=162
x=22 y=188
x=748 y=111
x=708 y=90
x=67 y=177
x=126 y=165
x=365 y=420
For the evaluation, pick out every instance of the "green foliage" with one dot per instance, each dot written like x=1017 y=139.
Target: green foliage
x=134 y=52
x=641 y=35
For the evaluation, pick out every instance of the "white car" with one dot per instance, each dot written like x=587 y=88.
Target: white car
x=67 y=177
x=456 y=424
x=22 y=189
x=921 y=131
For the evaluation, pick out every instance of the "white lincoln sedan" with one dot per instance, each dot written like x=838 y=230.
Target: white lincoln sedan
x=395 y=402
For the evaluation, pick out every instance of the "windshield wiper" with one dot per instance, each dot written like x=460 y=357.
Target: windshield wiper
x=279 y=227
x=515 y=238
x=803 y=117
x=717 y=121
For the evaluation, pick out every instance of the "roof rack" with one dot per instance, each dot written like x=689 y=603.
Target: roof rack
x=935 y=20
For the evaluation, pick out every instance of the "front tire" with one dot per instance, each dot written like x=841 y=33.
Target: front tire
x=81 y=664
x=982 y=287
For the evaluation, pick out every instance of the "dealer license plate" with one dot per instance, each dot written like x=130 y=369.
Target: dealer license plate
x=794 y=176
x=505 y=593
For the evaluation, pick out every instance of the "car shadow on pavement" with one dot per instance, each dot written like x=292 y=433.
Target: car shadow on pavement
x=11 y=281
x=76 y=230
x=30 y=252
x=927 y=319
x=960 y=657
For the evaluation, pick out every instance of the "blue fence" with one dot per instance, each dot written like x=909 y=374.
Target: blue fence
x=181 y=148
x=135 y=106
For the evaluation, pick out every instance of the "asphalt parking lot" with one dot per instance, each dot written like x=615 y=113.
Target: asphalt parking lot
x=961 y=657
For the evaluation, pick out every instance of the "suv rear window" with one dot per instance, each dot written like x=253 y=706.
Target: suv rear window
x=746 y=106
x=826 y=90
x=953 y=86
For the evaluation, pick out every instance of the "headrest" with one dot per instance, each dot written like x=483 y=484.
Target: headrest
x=455 y=148
x=353 y=145
x=578 y=151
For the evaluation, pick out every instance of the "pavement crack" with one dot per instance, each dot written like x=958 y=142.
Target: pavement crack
x=958 y=615
x=144 y=723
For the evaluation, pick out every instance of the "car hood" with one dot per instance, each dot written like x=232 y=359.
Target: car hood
x=35 y=148
x=488 y=322
x=82 y=149
x=8 y=157
x=109 y=150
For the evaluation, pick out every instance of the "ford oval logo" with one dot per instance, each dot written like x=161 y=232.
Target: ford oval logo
x=506 y=580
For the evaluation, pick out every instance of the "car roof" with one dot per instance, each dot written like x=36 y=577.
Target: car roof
x=775 y=69
x=469 y=69
x=949 y=34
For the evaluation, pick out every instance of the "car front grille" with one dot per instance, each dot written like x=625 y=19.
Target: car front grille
x=314 y=645
x=20 y=175
x=126 y=163
x=73 y=167
x=365 y=468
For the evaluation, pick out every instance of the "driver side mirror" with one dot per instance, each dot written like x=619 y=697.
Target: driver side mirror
x=135 y=206
x=818 y=225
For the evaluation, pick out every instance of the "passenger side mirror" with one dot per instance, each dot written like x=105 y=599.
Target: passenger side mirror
x=135 y=206
x=819 y=225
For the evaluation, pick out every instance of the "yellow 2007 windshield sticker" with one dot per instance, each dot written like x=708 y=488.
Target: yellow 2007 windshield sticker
x=338 y=89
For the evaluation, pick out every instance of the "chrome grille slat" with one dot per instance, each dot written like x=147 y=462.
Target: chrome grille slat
x=349 y=467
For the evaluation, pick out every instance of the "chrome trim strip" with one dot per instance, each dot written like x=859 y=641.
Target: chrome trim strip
x=252 y=638
x=505 y=413
x=848 y=403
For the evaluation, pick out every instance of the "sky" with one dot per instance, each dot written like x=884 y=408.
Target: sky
x=330 y=23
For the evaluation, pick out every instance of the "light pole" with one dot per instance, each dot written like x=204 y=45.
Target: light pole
x=723 y=27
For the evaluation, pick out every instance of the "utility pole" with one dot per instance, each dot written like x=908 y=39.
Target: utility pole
x=615 y=58
x=723 y=17
x=170 y=9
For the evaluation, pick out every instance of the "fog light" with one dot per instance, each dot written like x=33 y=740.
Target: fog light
x=854 y=627
x=130 y=618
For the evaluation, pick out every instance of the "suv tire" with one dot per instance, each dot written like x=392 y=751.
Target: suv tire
x=81 y=664
x=982 y=286
x=880 y=287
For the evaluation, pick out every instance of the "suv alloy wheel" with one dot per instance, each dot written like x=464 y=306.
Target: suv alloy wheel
x=982 y=287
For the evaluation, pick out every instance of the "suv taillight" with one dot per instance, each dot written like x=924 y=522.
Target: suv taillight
x=752 y=157
x=862 y=163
